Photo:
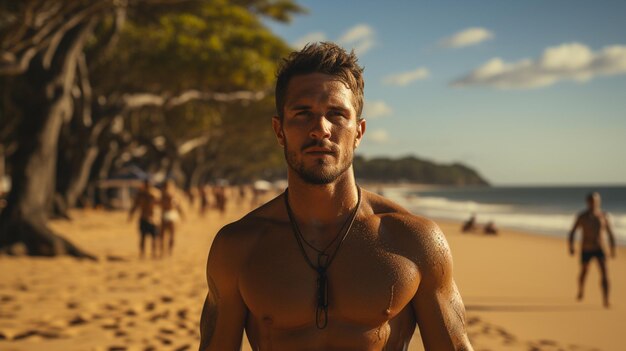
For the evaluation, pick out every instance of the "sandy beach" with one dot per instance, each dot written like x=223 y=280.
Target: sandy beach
x=518 y=288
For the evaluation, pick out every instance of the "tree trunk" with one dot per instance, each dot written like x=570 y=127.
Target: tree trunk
x=76 y=159
x=43 y=95
x=78 y=147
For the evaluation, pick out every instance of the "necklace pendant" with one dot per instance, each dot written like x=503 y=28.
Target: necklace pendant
x=322 y=260
x=322 y=289
x=321 y=317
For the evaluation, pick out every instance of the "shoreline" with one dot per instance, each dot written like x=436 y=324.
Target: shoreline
x=620 y=237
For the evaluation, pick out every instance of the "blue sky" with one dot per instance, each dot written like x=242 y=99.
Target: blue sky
x=526 y=92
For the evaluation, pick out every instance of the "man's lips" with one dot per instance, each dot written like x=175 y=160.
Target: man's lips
x=319 y=151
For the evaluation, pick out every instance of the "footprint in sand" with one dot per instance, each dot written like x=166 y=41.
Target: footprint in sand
x=182 y=313
x=167 y=331
x=130 y=312
x=78 y=320
x=6 y=298
x=109 y=307
x=23 y=335
x=150 y=306
x=162 y=315
x=164 y=340
x=110 y=323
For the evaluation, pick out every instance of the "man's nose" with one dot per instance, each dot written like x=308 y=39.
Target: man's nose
x=320 y=129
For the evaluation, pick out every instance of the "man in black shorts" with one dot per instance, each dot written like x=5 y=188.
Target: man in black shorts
x=146 y=201
x=593 y=222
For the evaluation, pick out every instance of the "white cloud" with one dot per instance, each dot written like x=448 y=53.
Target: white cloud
x=360 y=38
x=404 y=78
x=571 y=61
x=376 y=109
x=378 y=136
x=309 y=38
x=467 y=37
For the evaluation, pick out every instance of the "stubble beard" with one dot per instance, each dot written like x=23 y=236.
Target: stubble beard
x=320 y=174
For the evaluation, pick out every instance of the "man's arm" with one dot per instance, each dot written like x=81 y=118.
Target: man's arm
x=179 y=208
x=572 y=232
x=609 y=232
x=438 y=306
x=224 y=312
x=134 y=207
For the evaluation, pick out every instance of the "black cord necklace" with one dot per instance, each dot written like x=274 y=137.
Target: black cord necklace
x=323 y=258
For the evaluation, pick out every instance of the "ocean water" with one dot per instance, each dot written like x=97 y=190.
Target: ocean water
x=542 y=210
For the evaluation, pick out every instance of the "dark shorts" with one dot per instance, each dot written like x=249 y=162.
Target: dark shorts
x=147 y=228
x=586 y=256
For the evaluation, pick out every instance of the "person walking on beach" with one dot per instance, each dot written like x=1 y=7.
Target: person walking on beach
x=146 y=201
x=220 y=199
x=593 y=222
x=203 y=193
x=327 y=265
x=170 y=215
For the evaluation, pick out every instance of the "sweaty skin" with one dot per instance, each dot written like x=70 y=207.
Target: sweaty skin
x=392 y=273
x=394 y=270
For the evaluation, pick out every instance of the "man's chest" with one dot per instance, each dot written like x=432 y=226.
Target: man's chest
x=366 y=283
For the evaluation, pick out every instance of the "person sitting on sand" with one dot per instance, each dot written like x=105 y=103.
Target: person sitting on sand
x=171 y=213
x=469 y=225
x=593 y=222
x=327 y=265
x=146 y=201
x=490 y=228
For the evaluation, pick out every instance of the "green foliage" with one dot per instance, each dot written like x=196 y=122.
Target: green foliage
x=219 y=47
x=247 y=149
x=216 y=46
x=415 y=170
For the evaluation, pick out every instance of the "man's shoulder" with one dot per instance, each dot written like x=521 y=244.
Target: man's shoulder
x=391 y=213
x=255 y=222
x=399 y=225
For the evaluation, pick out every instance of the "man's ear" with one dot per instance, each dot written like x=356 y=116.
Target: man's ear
x=278 y=130
x=360 y=130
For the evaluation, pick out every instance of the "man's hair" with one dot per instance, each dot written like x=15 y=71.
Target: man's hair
x=591 y=195
x=324 y=57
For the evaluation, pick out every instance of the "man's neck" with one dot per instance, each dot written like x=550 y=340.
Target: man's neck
x=322 y=205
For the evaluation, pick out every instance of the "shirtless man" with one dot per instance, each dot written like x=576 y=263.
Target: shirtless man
x=146 y=200
x=593 y=222
x=327 y=265
x=171 y=214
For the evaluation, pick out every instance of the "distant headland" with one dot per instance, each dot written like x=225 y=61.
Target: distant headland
x=412 y=169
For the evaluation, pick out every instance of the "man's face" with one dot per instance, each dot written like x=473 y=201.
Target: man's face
x=319 y=131
x=593 y=201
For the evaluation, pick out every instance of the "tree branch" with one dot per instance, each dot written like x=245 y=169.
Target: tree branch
x=191 y=144
x=135 y=101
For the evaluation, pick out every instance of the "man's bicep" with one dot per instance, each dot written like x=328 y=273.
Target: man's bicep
x=208 y=320
x=224 y=312
x=438 y=306
x=440 y=316
x=575 y=226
